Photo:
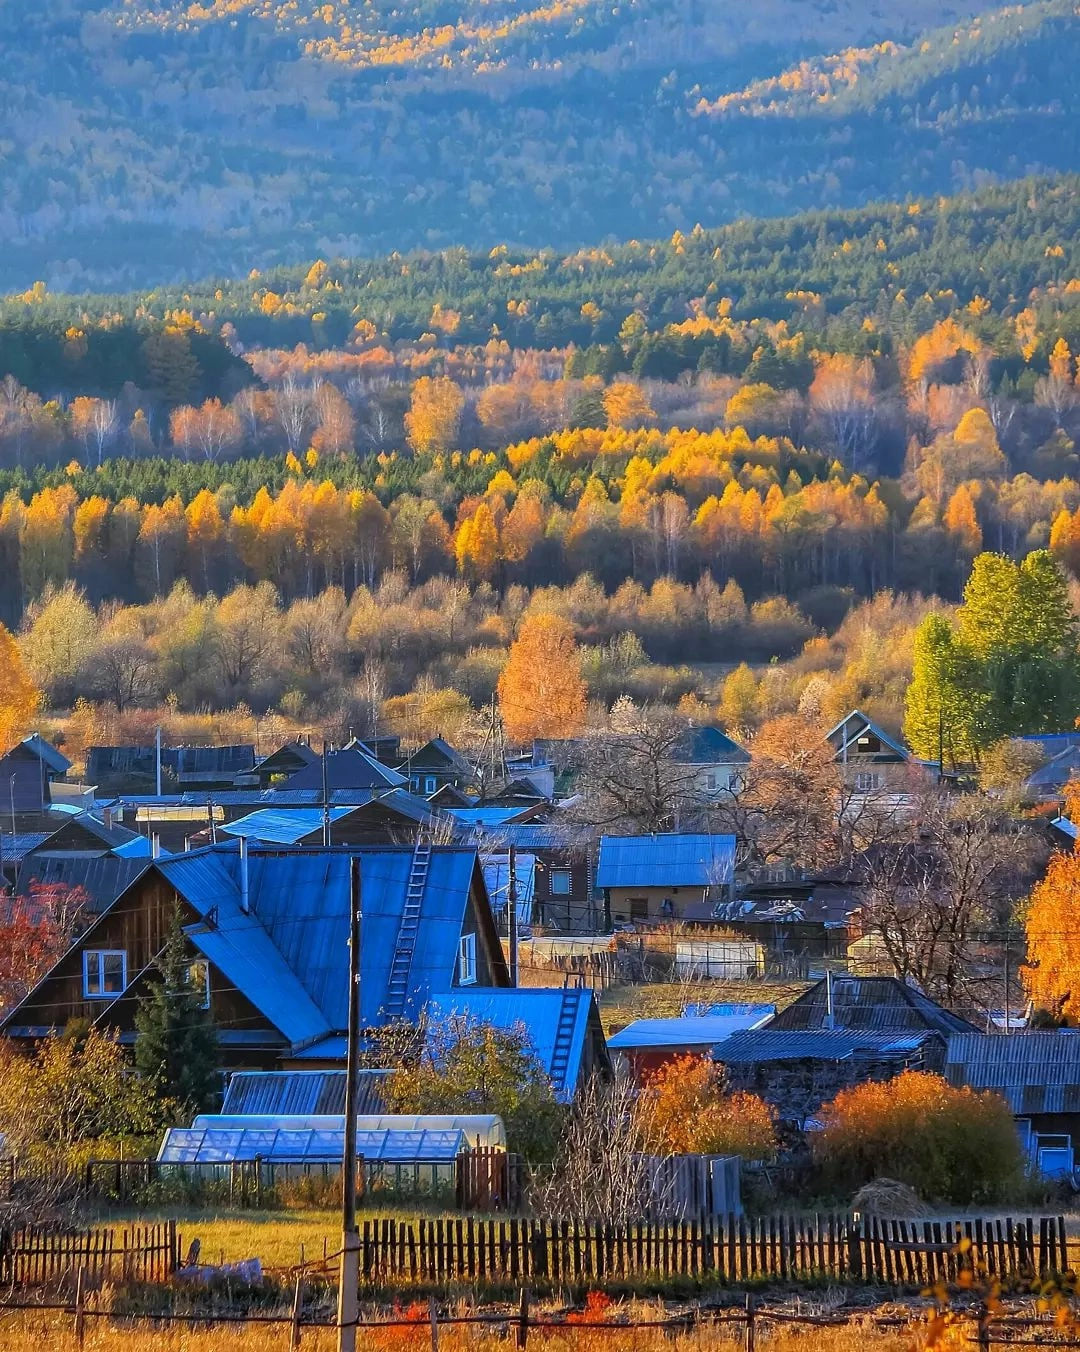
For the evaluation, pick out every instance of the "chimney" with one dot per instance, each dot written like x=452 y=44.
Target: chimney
x=245 y=895
x=155 y=846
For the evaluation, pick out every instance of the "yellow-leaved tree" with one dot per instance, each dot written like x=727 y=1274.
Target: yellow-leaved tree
x=20 y=698
x=541 y=689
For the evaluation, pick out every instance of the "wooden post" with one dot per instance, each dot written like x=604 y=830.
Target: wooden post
x=984 y=1329
x=748 y=1343
x=297 y=1309
x=433 y=1315
x=523 y=1320
x=80 y=1306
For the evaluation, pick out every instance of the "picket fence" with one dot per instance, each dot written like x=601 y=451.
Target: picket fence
x=34 y=1256
x=717 y=1250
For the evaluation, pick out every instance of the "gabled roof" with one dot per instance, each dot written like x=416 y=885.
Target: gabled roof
x=55 y=760
x=346 y=769
x=487 y=817
x=1036 y=1072
x=110 y=837
x=281 y=826
x=559 y=1021
x=1056 y=772
x=672 y=859
x=103 y=877
x=437 y=754
x=880 y=1004
x=846 y=734
x=708 y=746
x=286 y=757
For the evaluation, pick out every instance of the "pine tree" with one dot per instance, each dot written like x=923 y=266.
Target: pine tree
x=176 y=1048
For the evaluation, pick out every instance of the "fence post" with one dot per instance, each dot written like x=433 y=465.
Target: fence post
x=297 y=1308
x=523 y=1320
x=433 y=1315
x=749 y=1340
x=80 y=1306
x=984 y=1329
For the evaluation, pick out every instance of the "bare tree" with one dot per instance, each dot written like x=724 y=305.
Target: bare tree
x=293 y=403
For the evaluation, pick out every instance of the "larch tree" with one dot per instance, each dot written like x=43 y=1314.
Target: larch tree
x=541 y=689
x=1051 y=975
x=434 y=414
x=20 y=698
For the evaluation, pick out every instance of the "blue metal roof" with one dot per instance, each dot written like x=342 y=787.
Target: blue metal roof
x=45 y=751
x=300 y=1091
x=289 y=956
x=700 y=1031
x=484 y=816
x=669 y=860
x=538 y=1010
x=281 y=827
x=13 y=849
x=138 y=848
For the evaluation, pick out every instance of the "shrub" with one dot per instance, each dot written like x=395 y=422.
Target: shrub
x=688 y=1112
x=950 y=1145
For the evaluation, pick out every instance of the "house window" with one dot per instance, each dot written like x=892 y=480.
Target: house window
x=639 y=908
x=866 y=781
x=712 y=781
x=430 y=784
x=198 y=980
x=104 y=973
x=560 y=882
x=467 y=960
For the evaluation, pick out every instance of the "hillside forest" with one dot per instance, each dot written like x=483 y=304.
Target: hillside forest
x=149 y=140
x=741 y=466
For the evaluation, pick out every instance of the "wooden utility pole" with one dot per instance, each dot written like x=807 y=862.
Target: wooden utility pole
x=349 y=1282
x=512 y=916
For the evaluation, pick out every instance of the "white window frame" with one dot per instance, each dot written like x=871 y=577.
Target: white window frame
x=431 y=784
x=203 y=967
x=93 y=962
x=867 y=781
x=467 y=960
x=563 y=875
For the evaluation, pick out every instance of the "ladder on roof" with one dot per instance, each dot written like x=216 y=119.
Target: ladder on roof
x=564 y=1040
x=397 y=989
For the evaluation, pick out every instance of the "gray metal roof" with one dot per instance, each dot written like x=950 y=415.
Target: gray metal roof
x=281 y=826
x=826 y=1044
x=103 y=876
x=496 y=869
x=881 y=1004
x=13 y=849
x=346 y=769
x=702 y=1030
x=1036 y=1072
x=57 y=762
x=669 y=860
x=300 y=1092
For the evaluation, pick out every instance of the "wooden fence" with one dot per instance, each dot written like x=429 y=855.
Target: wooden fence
x=33 y=1256
x=732 y=1250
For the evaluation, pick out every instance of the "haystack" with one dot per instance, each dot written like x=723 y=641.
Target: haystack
x=887 y=1197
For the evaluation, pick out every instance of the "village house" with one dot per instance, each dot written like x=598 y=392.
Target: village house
x=665 y=877
x=28 y=773
x=267 y=932
x=716 y=763
x=437 y=765
x=873 y=762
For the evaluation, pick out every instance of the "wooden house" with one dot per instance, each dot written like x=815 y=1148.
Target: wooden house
x=437 y=765
x=665 y=877
x=27 y=772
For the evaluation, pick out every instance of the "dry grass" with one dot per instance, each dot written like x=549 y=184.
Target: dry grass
x=623 y=1004
x=55 y=1332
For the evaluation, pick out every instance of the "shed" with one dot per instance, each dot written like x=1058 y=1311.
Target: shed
x=882 y=1004
x=648 y=1044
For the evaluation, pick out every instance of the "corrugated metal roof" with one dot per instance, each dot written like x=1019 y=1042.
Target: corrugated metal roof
x=871 y=1003
x=57 y=762
x=13 y=849
x=347 y=769
x=484 y=816
x=1036 y=1072
x=669 y=860
x=763 y=1044
x=300 y=1092
x=701 y=1030
x=539 y=1011
x=708 y=746
x=103 y=877
x=278 y=827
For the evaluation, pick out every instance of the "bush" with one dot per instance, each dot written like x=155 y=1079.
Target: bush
x=687 y=1112
x=950 y=1145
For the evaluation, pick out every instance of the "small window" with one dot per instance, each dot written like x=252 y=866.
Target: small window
x=560 y=882
x=104 y=973
x=430 y=784
x=866 y=781
x=198 y=980
x=467 y=960
x=712 y=781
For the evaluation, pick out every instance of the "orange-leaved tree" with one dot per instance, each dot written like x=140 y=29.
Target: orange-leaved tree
x=687 y=1111
x=950 y=1145
x=20 y=698
x=35 y=931
x=541 y=689
x=1051 y=975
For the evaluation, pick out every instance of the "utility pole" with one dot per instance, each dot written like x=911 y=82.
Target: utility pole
x=325 y=800
x=157 y=760
x=512 y=916
x=349 y=1282
x=1008 y=955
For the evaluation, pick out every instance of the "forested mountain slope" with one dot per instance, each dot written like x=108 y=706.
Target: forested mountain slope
x=148 y=139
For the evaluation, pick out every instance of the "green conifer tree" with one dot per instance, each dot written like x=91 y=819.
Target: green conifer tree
x=176 y=1046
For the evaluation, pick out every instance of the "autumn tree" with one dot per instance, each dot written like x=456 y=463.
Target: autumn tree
x=842 y=398
x=625 y=405
x=434 y=414
x=1051 y=975
x=37 y=929
x=59 y=633
x=541 y=690
x=687 y=1111
x=20 y=699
